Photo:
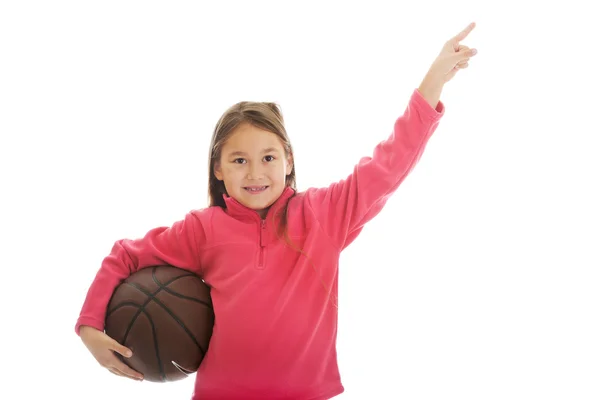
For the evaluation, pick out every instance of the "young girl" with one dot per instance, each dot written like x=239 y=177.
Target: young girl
x=270 y=254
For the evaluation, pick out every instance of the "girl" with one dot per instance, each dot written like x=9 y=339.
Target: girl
x=270 y=254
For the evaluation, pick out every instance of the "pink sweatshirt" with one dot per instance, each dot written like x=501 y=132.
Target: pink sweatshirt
x=275 y=330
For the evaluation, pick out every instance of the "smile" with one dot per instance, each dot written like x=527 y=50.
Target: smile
x=255 y=189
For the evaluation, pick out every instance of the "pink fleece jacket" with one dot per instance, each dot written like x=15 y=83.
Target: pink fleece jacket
x=276 y=325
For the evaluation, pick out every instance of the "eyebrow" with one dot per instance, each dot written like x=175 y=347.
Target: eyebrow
x=241 y=153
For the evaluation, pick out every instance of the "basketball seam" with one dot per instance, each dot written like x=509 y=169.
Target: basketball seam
x=141 y=309
x=166 y=289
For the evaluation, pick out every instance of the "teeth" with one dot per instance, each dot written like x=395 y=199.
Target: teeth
x=256 y=189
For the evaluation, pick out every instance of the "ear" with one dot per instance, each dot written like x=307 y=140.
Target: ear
x=218 y=172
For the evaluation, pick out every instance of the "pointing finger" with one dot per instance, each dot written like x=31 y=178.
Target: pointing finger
x=463 y=34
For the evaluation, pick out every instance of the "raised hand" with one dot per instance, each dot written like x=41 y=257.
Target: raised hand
x=453 y=57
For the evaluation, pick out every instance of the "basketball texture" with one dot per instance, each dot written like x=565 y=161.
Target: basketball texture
x=165 y=316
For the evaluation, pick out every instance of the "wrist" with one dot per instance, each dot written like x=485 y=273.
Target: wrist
x=84 y=329
x=431 y=89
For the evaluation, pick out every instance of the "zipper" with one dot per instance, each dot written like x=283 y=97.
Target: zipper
x=261 y=257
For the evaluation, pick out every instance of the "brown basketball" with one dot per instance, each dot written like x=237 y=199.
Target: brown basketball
x=165 y=316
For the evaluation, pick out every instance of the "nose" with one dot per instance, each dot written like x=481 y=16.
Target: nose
x=255 y=171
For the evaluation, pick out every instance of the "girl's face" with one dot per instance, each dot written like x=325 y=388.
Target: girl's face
x=253 y=167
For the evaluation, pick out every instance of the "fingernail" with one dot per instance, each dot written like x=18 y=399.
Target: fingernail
x=474 y=51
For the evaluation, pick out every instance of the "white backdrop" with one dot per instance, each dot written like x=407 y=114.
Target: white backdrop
x=479 y=280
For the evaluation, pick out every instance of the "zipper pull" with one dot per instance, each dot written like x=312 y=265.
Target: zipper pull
x=262 y=231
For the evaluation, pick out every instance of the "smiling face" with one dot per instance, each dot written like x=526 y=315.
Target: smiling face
x=253 y=167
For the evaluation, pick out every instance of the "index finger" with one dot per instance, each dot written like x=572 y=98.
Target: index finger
x=463 y=34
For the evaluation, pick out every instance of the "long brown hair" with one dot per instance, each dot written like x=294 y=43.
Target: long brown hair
x=263 y=115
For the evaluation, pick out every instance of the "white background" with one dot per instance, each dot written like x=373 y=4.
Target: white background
x=479 y=280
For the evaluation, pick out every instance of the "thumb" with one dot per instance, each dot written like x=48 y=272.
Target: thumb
x=119 y=348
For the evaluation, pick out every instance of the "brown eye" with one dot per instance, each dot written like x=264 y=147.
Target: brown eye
x=269 y=158
x=239 y=161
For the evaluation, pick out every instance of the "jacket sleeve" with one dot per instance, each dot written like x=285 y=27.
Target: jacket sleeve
x=176 y=245
x=344 y=207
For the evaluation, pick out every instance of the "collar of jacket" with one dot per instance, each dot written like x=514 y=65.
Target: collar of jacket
x=239 y=211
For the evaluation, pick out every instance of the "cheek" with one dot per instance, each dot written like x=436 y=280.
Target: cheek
x=279 y=169
x=233 y=174
x=285 y=166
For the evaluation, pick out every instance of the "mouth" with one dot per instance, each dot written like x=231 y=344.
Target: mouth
x=255 y=189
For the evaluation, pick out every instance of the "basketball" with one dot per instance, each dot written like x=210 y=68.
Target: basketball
x=165 y=316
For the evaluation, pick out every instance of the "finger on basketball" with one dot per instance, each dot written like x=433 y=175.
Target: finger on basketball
x=115 y=371
x=129 y=372
x=122 y=350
